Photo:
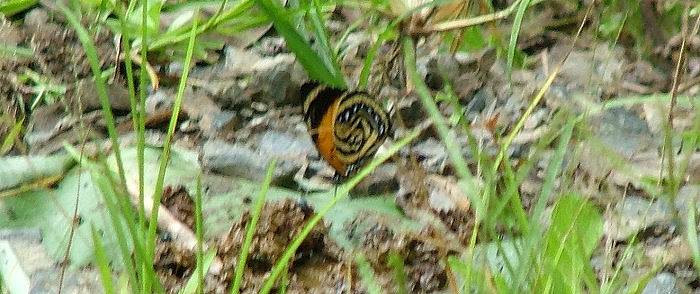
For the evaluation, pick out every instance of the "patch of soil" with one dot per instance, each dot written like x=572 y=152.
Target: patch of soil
x=319 y=264
x=173 y=265
x=58 y=59
x=58 y=53
x=422 y=255
x=179 y=203
x=316 y=267
x=413 y=198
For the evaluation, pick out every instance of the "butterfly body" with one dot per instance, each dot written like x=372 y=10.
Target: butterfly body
x=347 y=127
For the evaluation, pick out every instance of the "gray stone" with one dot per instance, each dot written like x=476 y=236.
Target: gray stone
x=663 y=283
x=624 y=132
x=433 y=155
x=233 y=160
x=688 y=198
x=634 y=214
x=285 y=146
x=241 y=161
x=291 y=152
x=276 y=79
x=478 y=103
x=214 y=123
x=161 y=99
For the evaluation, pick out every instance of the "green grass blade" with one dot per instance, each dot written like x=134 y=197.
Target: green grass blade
x=390 y=33
x=397 y=266
x=514 y=32
x=115 y=217
x=158 y=193
x=553 y=168
x=323 y=50
x=91 y=53
x=137 y=111
x=12 y=7
x=194 y=283
x=13 y=51
x=250 y=230
x=534 y=237
x=102 y=263
x=199 y=230
x=455 y=155
x=367 y=275
x=298 y=45
x=150 y=247
x=139 y=119
x=387 y=34
x=284 y=281
x=9 y=140
x=692 y=236
x=171 y=39
x=120 y=214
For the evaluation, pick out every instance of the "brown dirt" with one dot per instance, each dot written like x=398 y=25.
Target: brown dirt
x=316 y=267
x=58 y=57
x=421 y=253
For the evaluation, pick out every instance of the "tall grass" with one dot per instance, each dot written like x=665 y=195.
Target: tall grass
x=138 y=232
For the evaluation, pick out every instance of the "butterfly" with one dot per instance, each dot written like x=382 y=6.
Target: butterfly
x=347 y=127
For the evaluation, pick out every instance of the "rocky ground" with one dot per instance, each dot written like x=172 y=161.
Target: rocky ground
x=244 y=109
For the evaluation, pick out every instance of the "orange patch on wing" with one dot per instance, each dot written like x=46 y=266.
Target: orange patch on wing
x=326 y=138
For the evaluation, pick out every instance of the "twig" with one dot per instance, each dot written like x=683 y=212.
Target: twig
x=468 y=22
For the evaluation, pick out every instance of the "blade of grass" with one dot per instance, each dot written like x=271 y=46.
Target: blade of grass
x=101 y=175
x=455 y=155
x=140 y=126
x=91 y=53
x=194 y=283
x=102 y=263
x=512 y=180
x=137 y=112
x=342 y=192
x=323 y=50
x=367 y=274
x=199 y=230
x=695 y=129
x=221 y=16
x=390 y=33
x=13 y=51
x=313 y=64
x=111 y=203
x=692 y=236
x=12 y=7
x=158 y=193
x=140 y=141
x=250 y=229
x=672 y=182
x=346 y=34
x=9 y=140
x=534 y=236
x=397 y=266
x=458 y=162
x=514 y=32
x=540 y=94
x=554 y=167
